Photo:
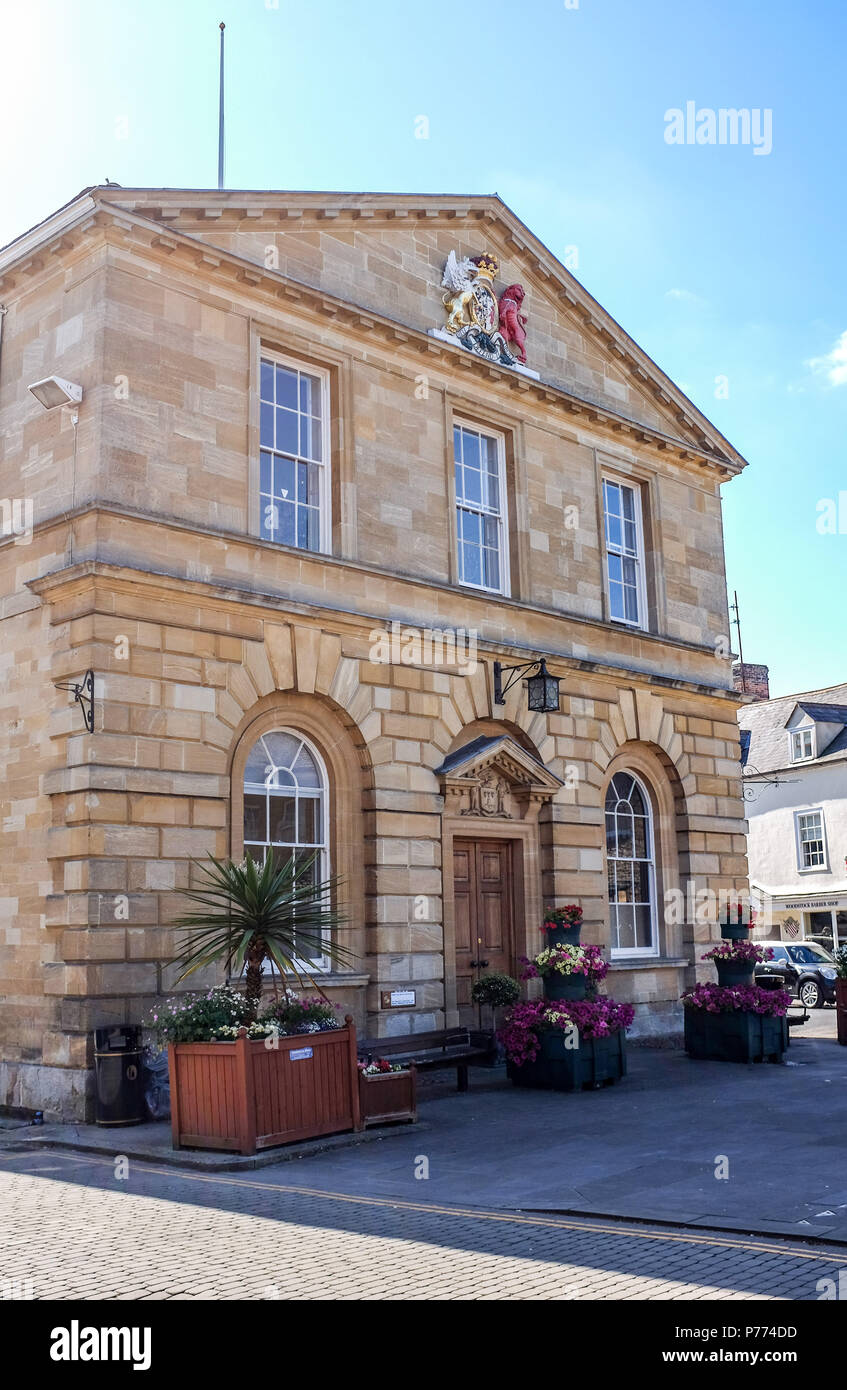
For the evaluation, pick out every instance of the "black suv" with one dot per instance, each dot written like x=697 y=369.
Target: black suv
x=807 y=968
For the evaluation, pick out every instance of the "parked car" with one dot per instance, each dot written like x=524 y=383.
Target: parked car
x=807 y=968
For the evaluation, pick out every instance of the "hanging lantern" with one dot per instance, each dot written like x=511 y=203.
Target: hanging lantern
x=542 y=691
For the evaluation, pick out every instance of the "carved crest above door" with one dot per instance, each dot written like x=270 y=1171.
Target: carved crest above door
x=488 y=796
x=495 y=779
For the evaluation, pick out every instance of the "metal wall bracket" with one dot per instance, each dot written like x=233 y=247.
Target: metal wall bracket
x=501 y=690
x=542 y=689
x=83 y=693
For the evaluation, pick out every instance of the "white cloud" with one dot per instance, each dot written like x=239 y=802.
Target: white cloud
x=834 y=364
x=684 y=297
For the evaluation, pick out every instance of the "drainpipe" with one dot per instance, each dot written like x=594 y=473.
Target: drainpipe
x=2 y=316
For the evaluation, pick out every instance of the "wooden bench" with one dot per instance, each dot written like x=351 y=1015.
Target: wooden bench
x=450 y=1047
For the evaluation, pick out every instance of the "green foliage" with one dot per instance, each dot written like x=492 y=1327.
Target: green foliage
x=496 y=989
x=839 y=959
x=199 y=1017
x=250 y=913
x=220 y=1014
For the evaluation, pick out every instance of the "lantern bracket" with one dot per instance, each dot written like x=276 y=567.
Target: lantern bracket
x=501 y=690
x=83 y=693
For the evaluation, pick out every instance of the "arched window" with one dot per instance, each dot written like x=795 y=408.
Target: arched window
x=285 y=801
x=631 y=867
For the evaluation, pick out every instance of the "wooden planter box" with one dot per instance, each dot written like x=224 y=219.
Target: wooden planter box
x=393 y=1096
x=596 y=1062
x=734 y=1037
x=244 y=1096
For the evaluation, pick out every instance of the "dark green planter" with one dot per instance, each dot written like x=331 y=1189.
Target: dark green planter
x=558 y=986
x=594 y=1062
x=734 y=972
x=563 y=936
x=734 y=1037
x=734 y=931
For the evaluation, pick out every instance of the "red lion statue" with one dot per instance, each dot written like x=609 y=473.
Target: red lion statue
x=512 y=320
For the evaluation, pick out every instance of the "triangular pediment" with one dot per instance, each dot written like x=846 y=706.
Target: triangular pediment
x=386 y=253
x=572 y=341
x=499 y=756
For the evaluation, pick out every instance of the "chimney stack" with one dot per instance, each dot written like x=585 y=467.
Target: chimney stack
x=750 y=679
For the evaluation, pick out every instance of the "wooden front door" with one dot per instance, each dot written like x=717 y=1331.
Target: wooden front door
x=483 y=899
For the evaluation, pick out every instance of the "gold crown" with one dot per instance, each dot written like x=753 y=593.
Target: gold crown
x=487 y=264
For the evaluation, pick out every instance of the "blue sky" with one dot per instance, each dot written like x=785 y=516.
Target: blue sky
x=718 y=261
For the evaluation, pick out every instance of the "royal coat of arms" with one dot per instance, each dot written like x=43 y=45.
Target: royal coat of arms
x=491 y=329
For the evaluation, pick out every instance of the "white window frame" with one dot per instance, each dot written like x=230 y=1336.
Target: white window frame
x=629 y=952
x=323 y=464
x=811 y=868
x=640 y=558
x=796 y=734
x=324 y=862
x=503 y=517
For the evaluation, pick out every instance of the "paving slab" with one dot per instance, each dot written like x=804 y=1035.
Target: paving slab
x=709 y=1144
x=653 y=1148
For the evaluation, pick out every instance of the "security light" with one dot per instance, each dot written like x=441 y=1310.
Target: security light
x=54 y=391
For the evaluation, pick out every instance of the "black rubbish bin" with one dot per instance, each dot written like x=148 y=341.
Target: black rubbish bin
x=118 y=1087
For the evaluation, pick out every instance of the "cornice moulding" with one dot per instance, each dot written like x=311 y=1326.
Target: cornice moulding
x=54 y=226
x=72 y=579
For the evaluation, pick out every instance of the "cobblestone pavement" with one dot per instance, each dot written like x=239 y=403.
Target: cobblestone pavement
x=73 y=1228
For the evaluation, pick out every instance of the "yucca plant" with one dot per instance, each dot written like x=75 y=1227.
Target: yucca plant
x=251 y=913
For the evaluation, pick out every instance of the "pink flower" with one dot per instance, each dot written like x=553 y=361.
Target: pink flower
x=722 y=999
x=739 y=950
x=592 y=1018
x=566 y=960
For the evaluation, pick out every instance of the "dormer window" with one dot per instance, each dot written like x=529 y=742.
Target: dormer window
x=802 y=745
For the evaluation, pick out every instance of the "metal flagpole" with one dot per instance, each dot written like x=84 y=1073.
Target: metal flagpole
x=221 y=116
x=737 y=621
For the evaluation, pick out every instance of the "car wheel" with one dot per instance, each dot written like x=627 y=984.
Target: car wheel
x=811 y=994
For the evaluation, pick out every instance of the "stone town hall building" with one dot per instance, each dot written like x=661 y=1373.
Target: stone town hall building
x=304 y=508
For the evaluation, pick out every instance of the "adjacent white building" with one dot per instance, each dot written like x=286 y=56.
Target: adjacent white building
x=797 y=846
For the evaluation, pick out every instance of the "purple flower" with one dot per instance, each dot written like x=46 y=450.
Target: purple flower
x=592 y=1018
x=739 y=950
x=722 y=999
x=566 y=960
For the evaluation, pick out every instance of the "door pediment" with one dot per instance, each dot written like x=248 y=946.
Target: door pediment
x=495 y=779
